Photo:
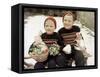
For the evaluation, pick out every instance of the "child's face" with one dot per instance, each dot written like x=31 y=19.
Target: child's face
x=68 y=21
x=49 y=26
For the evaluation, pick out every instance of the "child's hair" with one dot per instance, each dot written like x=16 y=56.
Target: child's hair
x=50 y=18
x=69 y=13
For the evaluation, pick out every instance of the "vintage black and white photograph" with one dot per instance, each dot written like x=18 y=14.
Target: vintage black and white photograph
x=55 y=38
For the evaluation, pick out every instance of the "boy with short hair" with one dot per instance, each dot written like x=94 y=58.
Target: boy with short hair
x=69 y=34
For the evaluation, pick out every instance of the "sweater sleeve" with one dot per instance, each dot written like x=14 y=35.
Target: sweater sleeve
x=76 y=28
x=60 y=42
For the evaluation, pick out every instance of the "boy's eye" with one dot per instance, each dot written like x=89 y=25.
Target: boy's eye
x=46 y=25
x=65 y=20
x=51 y=26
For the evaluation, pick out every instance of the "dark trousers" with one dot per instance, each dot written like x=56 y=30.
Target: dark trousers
x=62 y=60
x=78 y=57
x=53 y=62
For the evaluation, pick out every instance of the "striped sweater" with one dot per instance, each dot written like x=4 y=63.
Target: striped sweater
x=68 y=36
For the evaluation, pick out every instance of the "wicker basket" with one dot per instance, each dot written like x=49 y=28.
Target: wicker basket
x=39 y=57
x=39 y=52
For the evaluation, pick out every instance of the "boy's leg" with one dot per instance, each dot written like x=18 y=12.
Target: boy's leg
x=62 y=60
x=79 y=58
x=39 y=65
x=51 y=63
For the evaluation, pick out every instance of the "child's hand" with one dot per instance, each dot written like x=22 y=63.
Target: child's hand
x=78 y=36
x=80 y=45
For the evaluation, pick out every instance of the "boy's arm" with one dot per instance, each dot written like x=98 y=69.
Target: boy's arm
x=60 y=42
x=78 y=34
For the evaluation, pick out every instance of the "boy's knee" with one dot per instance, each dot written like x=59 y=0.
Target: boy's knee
x=39 y=66
x=61 y=60
x=79 y=59
x=79 y=54
x=51 y=64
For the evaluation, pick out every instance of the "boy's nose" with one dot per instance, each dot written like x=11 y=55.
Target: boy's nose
x=66 y=23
